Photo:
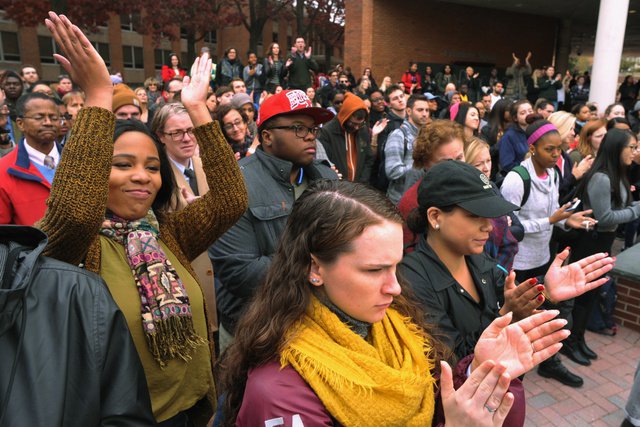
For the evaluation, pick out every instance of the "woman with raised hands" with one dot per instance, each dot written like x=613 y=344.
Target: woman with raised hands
x=461 y=289
x=332 y=339
x=108 y=211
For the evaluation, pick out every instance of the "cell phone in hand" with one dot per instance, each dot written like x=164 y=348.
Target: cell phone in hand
x=574 y=206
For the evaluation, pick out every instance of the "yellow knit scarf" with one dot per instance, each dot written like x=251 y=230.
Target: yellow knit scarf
x=383 y=381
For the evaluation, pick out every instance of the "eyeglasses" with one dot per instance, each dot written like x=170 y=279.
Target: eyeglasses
x=178 y=135
x=344 y=81
x=634 y=147
x=300 y=131
x=236 y=124
x=43 y=117
x=66 y=117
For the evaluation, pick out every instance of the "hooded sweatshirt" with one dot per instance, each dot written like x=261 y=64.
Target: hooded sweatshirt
x=351 y=104
x=533 y=250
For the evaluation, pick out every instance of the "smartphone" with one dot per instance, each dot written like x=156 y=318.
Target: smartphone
x=574 y=206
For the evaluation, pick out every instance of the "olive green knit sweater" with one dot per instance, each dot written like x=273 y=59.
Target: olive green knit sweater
x=78 y=200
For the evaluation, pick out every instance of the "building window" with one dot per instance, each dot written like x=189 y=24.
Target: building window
x=132 y=57
x=104 y=51
x=9 y=48
x=128 y=22
x=47 y=48
x=161 y=57
x=274 y=37
x=211 y=37
x=183 y=33
x=289 y=41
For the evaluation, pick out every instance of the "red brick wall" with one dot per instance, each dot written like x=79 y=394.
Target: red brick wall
x=627 y=311
x=387 y=34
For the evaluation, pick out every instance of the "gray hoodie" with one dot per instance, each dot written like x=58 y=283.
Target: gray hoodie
x=533 y=250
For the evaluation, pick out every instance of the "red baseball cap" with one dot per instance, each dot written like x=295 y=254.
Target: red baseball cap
x=292 y=101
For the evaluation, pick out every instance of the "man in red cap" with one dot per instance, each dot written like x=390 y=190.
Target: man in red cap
x=347 y=142
x=276 y=175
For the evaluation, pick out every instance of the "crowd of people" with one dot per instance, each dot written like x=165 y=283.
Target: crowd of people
x=393 y=253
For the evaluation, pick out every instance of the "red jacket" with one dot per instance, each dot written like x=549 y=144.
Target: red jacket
x=407 y=79
x=23 y=189
x=168 y=74
x=280 y=397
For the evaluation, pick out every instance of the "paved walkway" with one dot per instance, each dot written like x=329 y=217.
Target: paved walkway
x=600 y=401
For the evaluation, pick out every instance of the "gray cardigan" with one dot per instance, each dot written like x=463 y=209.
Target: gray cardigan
x=599 y=199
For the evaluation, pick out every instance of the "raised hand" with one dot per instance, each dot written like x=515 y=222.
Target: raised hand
x=516 y=60
x=481 y=401
x=379 y=126
x=528 y=57
x=522 y=345
x=307 y=53
x=195 y=89
x=81 y=61
x=522 y=300
x=569 y=281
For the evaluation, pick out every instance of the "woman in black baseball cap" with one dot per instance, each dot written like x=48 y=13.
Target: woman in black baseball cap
x=461 y=288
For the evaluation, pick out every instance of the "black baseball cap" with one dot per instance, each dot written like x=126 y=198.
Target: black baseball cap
x=457 y=183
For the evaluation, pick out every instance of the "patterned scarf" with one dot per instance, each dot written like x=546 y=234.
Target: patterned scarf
x=386 y=380
x=164 y=304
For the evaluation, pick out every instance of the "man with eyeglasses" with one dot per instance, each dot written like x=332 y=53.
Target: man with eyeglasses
x=125 y=105
x=26 y=173
x=7 y=143
x=347 y=141
x=275 y=176
x=173 y=127
x=378 y=109
x=172 y=91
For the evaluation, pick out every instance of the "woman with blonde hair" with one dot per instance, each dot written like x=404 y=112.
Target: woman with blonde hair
x=386 y=83
x=507 y=229
x=569 y=173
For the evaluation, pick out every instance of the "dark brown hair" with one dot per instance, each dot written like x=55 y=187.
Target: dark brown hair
x=324 y=222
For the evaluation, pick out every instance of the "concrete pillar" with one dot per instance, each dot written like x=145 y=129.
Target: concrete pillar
x=612 y=22
x=564 y=46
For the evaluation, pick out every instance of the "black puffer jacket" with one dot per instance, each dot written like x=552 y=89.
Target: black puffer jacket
x=67 y=358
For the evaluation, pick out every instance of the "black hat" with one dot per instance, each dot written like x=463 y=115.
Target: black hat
x=457 y=183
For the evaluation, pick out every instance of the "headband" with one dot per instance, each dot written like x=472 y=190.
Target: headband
x=453 y=110
x=535 y=136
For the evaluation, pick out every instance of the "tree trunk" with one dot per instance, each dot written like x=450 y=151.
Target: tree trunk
x=328 y=50
x=191 y=48
x=302 y=31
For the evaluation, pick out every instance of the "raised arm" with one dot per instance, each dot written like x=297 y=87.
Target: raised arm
x=79 y=193
x=199 y=225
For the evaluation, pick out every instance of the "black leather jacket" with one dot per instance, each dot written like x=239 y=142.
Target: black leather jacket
x=66 y=355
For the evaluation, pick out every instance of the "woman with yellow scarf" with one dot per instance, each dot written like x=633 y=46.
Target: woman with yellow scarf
x=333 y=338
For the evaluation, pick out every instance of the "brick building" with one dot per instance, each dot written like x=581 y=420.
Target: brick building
x=385 y=35
x=133 y=54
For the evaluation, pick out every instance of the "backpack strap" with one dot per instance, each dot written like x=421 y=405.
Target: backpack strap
x=523 y=173
x=405 y=141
